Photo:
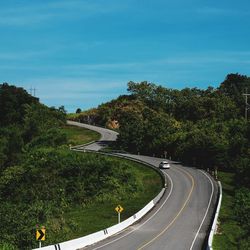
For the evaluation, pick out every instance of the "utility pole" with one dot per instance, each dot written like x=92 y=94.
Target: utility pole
x=32 y=91
x=247 y=107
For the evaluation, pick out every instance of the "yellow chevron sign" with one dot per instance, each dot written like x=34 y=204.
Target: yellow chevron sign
x=119 y=209
x=40 y=234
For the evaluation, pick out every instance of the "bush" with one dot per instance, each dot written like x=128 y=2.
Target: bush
x=48 y=182
x=242 y=207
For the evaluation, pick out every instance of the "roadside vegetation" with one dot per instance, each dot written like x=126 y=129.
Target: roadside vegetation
x=233 y=227
x=206 y=128
x=43 y=183
x=142 y=185
x=77 y=136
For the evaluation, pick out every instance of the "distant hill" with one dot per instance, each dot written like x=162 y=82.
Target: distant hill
x=198 y=126
x=205 y=128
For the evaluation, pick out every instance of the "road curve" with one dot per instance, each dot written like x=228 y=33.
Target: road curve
x=179 y=221
x=107 y=136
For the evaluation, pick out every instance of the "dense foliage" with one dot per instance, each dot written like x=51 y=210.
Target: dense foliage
x=25 y=126
x=41 y=180
x=24 y=123
x=204 y=128
x=43 y=187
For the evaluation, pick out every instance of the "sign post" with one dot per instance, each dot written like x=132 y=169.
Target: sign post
x=165 y=154
x=119 y=209
x=40 y=235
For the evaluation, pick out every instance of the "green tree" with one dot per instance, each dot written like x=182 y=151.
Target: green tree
x=234 y=86
x=39 y=118
x=242 y=207
x=12 y=101
x=131 y=131
x=78 y=111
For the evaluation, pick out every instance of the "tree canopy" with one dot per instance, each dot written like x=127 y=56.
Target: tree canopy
x=205 y=127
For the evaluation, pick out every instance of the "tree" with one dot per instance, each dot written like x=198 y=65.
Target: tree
x=234 y=86
x=12 y=104
x=78 y=111
x=62 y=109
x=131 y=131
x=39 y=118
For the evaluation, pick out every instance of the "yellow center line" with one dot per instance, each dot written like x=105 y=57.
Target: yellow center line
x=175 y=218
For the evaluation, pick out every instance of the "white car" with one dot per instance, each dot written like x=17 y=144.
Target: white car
x=164 y=165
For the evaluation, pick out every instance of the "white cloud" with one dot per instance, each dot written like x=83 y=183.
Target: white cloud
x=34 y=13
x=23 y=55
x=218 y=11
x=74 y=92
x=66 y=87
x=87 y=85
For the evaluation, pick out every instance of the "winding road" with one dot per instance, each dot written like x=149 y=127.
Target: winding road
x=182 y=217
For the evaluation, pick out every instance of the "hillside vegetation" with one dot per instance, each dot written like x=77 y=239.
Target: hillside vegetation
x=77 y=136
x=43 y=183
x=201 y=127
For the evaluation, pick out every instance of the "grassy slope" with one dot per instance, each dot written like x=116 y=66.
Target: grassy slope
x=101 y=214
x=77 y=135
x=229 y=230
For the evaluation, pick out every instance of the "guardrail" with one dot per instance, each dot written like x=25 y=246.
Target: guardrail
x=123 y=156
x=105 y=233
x=214 y=225
x=81 y=146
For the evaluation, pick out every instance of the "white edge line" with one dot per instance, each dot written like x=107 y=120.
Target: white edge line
x=144 y=221
x=206 y=209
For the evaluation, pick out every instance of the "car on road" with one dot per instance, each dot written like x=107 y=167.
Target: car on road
x=164 y=165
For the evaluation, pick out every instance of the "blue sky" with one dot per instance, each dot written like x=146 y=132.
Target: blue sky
x=83 y=53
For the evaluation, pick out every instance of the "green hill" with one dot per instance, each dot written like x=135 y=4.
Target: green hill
x=206 y=128
x=43 y=183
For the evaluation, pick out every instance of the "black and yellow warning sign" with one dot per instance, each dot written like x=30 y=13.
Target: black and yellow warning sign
x=119 y=209
x=40 y=234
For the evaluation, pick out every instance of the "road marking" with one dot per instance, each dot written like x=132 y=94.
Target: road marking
x=206 y=210
x=57 y=247
x=171 y=189
x=175 y=218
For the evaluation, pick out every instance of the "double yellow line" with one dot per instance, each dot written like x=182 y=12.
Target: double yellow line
x=178 y=214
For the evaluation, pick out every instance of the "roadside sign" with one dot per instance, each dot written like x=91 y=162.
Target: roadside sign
x=119 y=209
x=40 y=234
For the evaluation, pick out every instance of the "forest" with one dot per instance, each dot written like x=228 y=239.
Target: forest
x=205 y=128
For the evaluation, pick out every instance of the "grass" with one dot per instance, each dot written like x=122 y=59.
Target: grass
x=77 y=135
x=229 y=230
x=100 y=215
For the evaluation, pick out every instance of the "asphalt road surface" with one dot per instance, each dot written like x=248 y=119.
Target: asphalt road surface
x=179 y=221
x=107 y=136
